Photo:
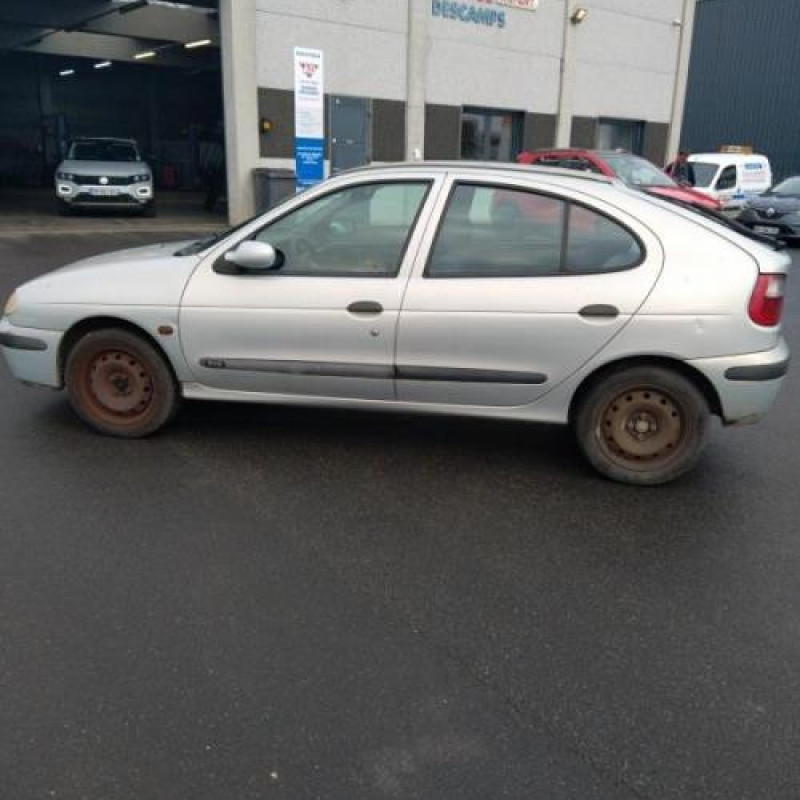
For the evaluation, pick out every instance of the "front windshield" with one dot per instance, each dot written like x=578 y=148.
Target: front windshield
x=103 y=151
x=637 y=171
x=704 y=173
x=789 y=188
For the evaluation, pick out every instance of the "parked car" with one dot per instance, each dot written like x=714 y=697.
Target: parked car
x=731 y=178
x=410 y=288
x=104 y=173
x=635 y=171
x=776 y=212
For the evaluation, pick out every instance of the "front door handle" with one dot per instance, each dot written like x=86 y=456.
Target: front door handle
x=599 y=310
x=365 y=307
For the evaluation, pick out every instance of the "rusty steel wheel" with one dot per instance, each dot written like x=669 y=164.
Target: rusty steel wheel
x=120 y=384
x=643 y=425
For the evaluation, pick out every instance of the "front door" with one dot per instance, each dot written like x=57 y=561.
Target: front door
x=324 y=322
x=519 y=290
x=350 y=129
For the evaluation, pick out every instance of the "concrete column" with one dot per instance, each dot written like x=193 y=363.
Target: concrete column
x=416 y=70
x=565 y=81
x=240 y=88
x=681 y=77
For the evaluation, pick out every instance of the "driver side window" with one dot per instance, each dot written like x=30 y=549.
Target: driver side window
x=357 y=231
x=727 y=180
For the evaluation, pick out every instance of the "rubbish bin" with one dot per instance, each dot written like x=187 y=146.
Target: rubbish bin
x=272 y=186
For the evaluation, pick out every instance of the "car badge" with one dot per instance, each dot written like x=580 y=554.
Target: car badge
x=104 y=180
x=770 y=212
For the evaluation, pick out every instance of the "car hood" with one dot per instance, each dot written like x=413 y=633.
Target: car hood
x=113 y=168
x=685 y=195
x=141 y=276
x=782 y=205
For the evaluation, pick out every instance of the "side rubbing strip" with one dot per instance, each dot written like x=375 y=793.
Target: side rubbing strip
x=469 y=375
x=758 y=372
x=17 y=342
x=332 y=369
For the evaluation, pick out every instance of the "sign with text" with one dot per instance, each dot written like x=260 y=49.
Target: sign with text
x=309 y=117
x=480 y=12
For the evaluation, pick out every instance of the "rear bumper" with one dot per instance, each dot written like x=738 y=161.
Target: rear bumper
x=31 y=354
x=747 y=385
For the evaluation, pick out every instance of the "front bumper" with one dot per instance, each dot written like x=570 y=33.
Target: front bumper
x=31 y=354
x=748 y=384
x=778 y=227
x=133 y=195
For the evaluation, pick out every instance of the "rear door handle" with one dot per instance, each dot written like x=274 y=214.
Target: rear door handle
x=365 y=307
x=599 y=310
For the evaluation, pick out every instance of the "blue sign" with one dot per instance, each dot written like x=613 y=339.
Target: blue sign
x=466 y=12
x=309 y=156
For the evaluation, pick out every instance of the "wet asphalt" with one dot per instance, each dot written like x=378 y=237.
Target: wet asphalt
x=279 y=603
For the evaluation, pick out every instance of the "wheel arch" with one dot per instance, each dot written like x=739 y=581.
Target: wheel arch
x=90 y=324
x=705 y=386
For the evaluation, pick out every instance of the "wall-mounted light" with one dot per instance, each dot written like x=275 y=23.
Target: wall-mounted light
x=102 y=64
x=579 y=15
x=198 y=43
x=145 y=54
x=66 y=72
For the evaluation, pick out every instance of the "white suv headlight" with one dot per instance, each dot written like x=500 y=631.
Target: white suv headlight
x=11 y=305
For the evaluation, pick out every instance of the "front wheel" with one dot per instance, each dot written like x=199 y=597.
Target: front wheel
x=642 y=425
x=120 y=384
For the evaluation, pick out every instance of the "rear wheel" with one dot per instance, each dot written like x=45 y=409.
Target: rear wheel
x=642 y=425
x=120 y=384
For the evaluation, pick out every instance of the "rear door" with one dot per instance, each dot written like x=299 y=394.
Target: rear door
x=517 y=289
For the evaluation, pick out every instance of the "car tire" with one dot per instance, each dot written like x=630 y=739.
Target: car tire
x=642 y=425
x=64 y=209
x=119 y=384
x=149 y=209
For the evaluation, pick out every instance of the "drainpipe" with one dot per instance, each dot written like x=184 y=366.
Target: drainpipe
x=416 y=63
x=686 y=24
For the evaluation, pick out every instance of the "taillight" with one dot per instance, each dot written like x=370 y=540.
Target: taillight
x=766 y=304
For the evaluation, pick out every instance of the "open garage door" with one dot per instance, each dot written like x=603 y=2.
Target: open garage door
x=143 y=70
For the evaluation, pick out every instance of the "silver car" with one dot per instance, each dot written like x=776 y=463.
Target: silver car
x=457 y=288
x=104 y=173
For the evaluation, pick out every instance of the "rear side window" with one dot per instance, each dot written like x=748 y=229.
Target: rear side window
x=495 y=232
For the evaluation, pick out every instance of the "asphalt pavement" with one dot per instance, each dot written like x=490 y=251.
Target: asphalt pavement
x=266 y=602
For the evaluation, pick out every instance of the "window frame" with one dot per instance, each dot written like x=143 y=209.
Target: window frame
x=428 y=181
x=563 y=272
x=721 y=175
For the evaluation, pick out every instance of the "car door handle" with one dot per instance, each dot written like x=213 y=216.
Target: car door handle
x=599 y=310
x=365 y=307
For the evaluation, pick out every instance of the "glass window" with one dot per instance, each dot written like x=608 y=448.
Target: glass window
x=495 y=232
x=704 y=173
x=100 y=150
x=789 y=187
x=490 y=135
x=620 y=134
x=490 y=231
x=361 y=230
x=598 y=244
x=636 y=171
x=727 y=179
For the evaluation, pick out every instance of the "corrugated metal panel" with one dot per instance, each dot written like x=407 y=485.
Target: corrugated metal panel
x=744 y=79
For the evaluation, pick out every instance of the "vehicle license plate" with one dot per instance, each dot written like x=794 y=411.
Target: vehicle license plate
x=103 y=191
x=768 y=229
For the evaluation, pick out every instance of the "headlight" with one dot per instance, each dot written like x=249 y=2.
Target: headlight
x=11 y=305
x=141 y=178
x=65 y=176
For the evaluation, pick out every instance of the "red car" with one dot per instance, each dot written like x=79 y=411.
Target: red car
x=634 y=170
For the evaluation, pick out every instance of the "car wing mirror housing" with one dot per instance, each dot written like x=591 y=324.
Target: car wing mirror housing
x=253 y=257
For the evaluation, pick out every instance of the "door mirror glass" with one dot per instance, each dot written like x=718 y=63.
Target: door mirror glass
x=255 y=256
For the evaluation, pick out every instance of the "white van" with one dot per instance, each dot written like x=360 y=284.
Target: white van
x=731 y=178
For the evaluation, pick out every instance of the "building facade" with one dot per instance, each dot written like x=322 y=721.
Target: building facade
x=743 y=87
x=481 y=79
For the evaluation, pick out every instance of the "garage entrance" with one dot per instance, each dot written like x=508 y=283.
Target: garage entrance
x=145 y=70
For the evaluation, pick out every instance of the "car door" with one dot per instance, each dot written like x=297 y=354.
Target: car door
x=519 y=289
x=323 y=323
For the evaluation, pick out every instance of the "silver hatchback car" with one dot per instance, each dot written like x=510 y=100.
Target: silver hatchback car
x=473 y=289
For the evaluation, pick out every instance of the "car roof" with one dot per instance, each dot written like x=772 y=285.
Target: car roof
x=726 y=158
x=492 y=167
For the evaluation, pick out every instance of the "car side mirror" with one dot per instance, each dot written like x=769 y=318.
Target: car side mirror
x=255 y=256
